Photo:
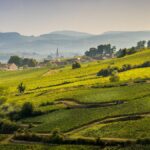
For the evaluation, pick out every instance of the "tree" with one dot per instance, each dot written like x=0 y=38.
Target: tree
x=16 y=60
x=132 y=50
x=146 y=64
x=126 y=67
x=107 y=71
x=114 y=49
x=101 y=50
x=29 y=62
x=141 y=45
x=114 y=77
x=21 y=88
x=22 y=61
x=7 y=126
x=148 y=44
x=32 y=63
x=27 y=109
x=121 y=53
x=76 y=65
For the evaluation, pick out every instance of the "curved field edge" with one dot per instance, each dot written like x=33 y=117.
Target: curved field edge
x=70 y=119
x=134 y=127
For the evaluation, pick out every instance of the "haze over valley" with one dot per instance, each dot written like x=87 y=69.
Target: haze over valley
x=69 y=43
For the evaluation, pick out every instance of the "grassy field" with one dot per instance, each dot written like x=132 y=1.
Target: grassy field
x=48 y=147
x=53 y=91
x=72 y=118
x=69 y=147
x=39 y=81
x=125 y=129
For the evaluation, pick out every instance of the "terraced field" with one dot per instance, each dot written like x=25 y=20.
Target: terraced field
x=72 y=118
x=42 y=147
x=68 y=147
x=80 y=103
x=125 y=129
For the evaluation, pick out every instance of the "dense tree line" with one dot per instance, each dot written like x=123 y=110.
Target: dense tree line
x=107 y=49
x=101 y=50
x=140 y=45
x=22 y=61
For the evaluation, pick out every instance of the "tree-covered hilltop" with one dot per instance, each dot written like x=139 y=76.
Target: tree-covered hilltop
x=101 y=51
x=128 y=51
x=22 y=61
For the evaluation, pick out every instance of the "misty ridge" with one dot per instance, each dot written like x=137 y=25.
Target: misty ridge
x=69 y=43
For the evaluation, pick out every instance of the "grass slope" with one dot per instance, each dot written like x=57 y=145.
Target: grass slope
x=44 y=85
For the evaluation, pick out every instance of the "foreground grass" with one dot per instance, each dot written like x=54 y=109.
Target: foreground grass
x=48 y=147
x=125 y=129
x=72 y=118
x=69 y=147
x=44 y=86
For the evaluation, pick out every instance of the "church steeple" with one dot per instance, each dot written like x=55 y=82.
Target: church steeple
x=57 y=53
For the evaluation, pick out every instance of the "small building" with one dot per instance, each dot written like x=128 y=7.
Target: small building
x=10 y=67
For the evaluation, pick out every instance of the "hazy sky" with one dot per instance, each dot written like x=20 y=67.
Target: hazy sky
x=34 y=17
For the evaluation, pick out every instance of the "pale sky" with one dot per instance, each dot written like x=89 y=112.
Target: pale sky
x=35 y=17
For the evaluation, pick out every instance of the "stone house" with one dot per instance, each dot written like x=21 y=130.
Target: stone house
x=10 y=67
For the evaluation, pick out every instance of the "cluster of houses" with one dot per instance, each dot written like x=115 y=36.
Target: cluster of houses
x=10 y=67
x=102 y=52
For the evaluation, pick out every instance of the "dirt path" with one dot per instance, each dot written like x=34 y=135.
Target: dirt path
x=72 y=104
x=109 y=120
x=7 y=140
x=102 y=121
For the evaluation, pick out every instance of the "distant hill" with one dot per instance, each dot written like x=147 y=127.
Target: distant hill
x=68 y=42
x=72 y=33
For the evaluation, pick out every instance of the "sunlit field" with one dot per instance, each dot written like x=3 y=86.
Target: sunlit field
x=79 y=103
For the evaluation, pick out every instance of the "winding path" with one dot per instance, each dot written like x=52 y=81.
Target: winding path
x=109 y=120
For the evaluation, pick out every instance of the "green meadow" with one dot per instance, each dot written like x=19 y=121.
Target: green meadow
x=76 y=101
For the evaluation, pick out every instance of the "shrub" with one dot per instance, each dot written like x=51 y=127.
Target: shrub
x=7 y=126
x=14 y=115
x=108 y=71
x=57 y=136
x=76 y=65
x=28 y=136
x=103 y=72
x=126 y=67
x=114 y=77
x=143 y=141
x=146 y=64
x=21 y=88
x=26 y=110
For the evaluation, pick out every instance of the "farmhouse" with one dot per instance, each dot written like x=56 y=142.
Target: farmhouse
x=10 y=67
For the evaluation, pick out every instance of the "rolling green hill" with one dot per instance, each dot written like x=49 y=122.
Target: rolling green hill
x=80 y=103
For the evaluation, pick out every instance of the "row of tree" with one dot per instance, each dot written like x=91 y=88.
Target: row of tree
x=140 y=45
x=110 y=69
x=101 y=50
x=22 y=61
x=107 y=49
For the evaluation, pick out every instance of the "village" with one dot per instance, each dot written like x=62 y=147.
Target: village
x=18 y=63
